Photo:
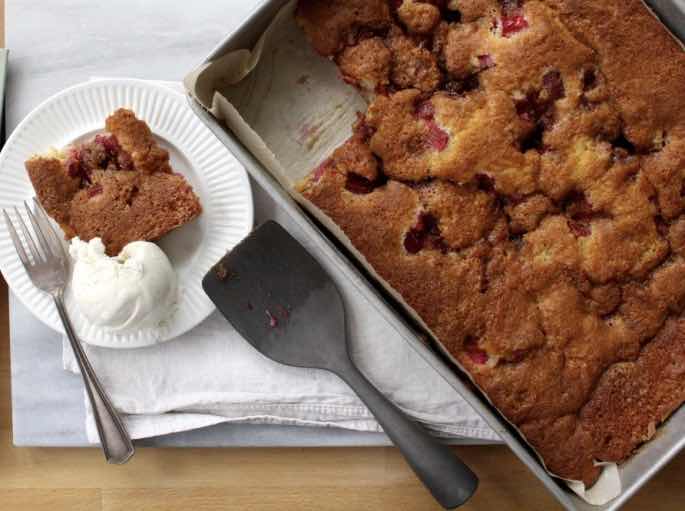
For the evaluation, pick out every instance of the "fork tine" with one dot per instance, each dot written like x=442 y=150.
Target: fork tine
x=18 y=245
x=42 y=241
x=47 y=228
x=27 y=236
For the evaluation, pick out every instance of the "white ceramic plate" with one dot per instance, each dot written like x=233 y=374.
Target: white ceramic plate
x=217 y=177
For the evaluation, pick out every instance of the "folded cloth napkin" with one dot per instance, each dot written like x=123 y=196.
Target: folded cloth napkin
x=211 y=375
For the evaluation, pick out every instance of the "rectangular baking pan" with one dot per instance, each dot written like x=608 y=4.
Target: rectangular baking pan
x=670 y=438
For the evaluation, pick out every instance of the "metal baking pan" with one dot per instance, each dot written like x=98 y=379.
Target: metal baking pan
x=635 y=472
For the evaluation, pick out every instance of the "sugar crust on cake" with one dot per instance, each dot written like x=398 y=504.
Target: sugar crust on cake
x=518 y=179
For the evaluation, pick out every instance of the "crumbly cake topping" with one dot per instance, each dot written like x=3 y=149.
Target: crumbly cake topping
x=118 y=186
x=519 y=179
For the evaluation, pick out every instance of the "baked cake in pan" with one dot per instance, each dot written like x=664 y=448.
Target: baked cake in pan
x=518 y=180
x=118 y=186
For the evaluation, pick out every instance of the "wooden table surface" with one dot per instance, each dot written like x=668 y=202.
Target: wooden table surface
x=35 y=479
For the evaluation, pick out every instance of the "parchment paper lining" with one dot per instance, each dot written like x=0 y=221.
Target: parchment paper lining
x=290 y=108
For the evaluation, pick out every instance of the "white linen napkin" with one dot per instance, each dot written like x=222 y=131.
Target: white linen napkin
x=211 y=375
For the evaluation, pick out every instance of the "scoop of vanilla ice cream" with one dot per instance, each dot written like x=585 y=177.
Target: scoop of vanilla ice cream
x=134 y=290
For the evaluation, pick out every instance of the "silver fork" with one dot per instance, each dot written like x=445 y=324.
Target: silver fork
x=47 y=265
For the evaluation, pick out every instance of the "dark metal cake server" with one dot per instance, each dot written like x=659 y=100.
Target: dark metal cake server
x=281 y=300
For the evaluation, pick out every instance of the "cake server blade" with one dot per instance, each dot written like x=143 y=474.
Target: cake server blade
x=278 y=297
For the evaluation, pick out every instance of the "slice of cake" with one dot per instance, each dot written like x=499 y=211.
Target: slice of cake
x=118 y=186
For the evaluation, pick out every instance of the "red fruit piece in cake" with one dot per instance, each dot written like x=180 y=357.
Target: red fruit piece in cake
x=425 y=110
x=485 y=182
x=425 y=234
x=94 y=190
x=580 y=228
x=358 y=184
x=537 y=106
x=436 y=138
x=321 y=169
x=109 y=143
x=477 y=355
x=553 y=85
x=513 y=24
x=513 y=19
x=76 y=168
x=486 y=61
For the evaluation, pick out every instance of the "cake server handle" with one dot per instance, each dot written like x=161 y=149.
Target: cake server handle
x=116 y=443
x=450 y=481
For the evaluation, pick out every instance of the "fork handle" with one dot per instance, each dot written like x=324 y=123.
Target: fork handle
x=114 y=438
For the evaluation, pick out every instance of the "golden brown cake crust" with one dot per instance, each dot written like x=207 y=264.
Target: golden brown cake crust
x=333 y=24
x=527 y=203
x=98 y=189
x=136 y=138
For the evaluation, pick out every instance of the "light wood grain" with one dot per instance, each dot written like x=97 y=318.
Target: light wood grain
x=35 y=499
x=373 y=479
